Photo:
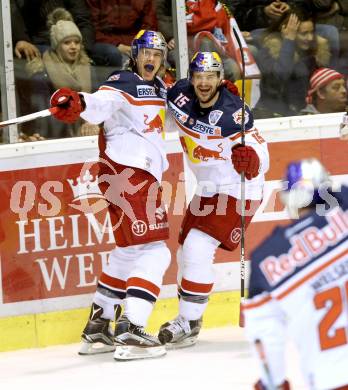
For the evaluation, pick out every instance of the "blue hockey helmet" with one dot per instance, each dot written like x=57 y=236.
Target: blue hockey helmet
x=206 y=61
x=302 y=184
x=147 y=39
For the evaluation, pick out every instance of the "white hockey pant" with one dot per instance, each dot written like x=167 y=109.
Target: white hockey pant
x=146 y=265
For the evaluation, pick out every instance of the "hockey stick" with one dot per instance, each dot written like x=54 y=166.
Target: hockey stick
x=242 y=192
x=29 y=117
x=261 y=352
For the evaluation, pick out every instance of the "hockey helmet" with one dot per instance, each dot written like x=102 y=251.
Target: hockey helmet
x=147 y=39
x=206 y=61
x=302 y=185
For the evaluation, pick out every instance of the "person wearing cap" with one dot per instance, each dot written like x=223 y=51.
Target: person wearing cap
x=65 y=64
x=327 y=92
x=298 y=285
x=132 y=158
x=30 y=33
x=209 y=120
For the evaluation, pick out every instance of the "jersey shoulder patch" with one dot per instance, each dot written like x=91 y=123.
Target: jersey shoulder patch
x=233 y=104
x=182 y=86
x=132 y=84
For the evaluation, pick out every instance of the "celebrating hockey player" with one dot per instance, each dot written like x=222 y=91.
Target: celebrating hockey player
x=299 y=284
x=132 y=159
x=209 y=119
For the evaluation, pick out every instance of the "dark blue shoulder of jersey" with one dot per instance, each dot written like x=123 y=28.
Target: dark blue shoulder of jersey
x=231 y=120
x=132 y=84
x=182 y=86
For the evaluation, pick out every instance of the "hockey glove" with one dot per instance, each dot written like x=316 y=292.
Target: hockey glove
x=344 y=127
x=245 y=159
x=230 y=87
x=70 y=105
x=260 y=386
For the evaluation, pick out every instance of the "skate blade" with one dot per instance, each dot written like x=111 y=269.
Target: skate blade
x=186 y=343
x=95 y=348
x=131 y=352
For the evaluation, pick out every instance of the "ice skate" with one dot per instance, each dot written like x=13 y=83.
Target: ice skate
x=179 y=333
x=98 y=337
x=132 y=342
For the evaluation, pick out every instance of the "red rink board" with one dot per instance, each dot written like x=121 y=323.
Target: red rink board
x=64 y=258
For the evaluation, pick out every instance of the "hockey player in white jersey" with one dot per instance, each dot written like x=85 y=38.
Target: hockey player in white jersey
x=299 y=284
x=131 y=104
x=208 y=117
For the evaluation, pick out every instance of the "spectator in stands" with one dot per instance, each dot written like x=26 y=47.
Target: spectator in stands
x=65 y=64
x=291 y=52
x=208 y=29
x=333 y=13
x=29 y=30
x=327 y=92
x=165 y=26
x=31 y=37
x=256 y=15
x=116 y=23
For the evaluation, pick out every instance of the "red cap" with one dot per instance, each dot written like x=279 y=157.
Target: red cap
x=320 y=78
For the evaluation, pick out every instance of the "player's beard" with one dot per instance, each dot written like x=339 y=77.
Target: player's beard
x=210 y=97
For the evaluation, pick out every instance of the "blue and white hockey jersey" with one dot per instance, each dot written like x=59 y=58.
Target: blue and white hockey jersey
x=133 y=112
x=207 y=137
x=299 y=285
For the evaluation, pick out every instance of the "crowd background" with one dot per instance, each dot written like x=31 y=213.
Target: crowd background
x=299 y=46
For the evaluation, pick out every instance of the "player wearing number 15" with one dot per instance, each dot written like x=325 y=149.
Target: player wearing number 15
x=299 y=284
x=209 y=120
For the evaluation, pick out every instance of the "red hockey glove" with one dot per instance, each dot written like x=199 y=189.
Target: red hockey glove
x=230 y=87
x=69 y=103
x=245 y=159
x=260 y=386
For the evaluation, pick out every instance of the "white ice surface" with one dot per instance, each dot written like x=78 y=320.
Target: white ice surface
x=221 y=360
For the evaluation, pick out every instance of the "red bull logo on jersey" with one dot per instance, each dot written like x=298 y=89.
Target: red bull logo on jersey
x=204 y=154
x=310 y=243
x=153 y=125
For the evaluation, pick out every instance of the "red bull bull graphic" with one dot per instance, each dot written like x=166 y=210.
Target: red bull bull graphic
x=153 y=125
x=205 y=154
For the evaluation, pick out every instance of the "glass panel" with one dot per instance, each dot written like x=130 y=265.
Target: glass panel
x=280 y=55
